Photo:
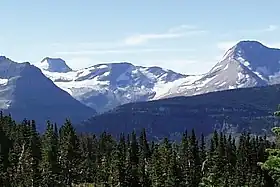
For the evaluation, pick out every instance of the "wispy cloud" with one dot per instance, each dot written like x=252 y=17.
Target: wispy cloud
x=172 y=33
x=249 y=32
x=120 y=46
x=269 y=28
x=85 y=46
x=122 y=51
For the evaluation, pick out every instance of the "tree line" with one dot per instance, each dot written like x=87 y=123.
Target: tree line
x=61 y=157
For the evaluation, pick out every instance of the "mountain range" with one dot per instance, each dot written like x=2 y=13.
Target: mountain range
x=106 y=86
x=26 y=93
x=51 y=90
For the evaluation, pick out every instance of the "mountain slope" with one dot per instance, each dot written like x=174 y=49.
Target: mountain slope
x=105 y=86
x=26 y=93
x=230 y=111
x=247 y=64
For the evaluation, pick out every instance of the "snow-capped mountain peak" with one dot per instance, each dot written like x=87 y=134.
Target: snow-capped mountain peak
x=246 y=64
x=104 y=86
x=242 y=48
x=258 y=58
x=54 y=65
x=26 y=92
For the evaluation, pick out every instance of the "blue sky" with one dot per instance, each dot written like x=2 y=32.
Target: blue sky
x=185 y=36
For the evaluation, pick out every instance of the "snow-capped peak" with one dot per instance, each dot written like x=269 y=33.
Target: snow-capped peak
x=54 y=65
x=255 y=56
x=107 y=85
x=250 y=44
x=104 y=86
x=242 y=49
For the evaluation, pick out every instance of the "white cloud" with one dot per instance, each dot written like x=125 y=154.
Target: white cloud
x=269 y=28
x=122 y=51
x=143 y=38
x=120 y=46
x=181 y=28
x=249 y=32
x=84 y=54
x=85 y=46
x=172 y=33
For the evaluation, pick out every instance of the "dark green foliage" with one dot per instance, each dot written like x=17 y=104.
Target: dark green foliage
x=66 y=158
x=272 y=164
x=49 y=164
x=69 y=154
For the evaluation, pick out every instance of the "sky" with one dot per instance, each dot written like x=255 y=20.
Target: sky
x=182 y=35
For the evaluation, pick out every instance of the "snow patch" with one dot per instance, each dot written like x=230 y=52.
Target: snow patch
x=243 y=61
x=106 y=73
x=259 y=75
x=216 y=67
x=226 y=67
x=203 y=83
x=226 y=54
x=103 y=66
x=240 y=76
x=165 y=88
x=222 y=84
x=4 y=81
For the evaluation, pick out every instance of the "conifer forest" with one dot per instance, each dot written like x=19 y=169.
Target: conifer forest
x=62 y=157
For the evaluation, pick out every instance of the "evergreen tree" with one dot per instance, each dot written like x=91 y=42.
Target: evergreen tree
x=67 y=159
x=144 y=156
x=184 y=158
x=69 y=154
x=174 y=172
x=157 y=168
x=121 y=161
x=4 y=156
x=27 y=173
x=88 y=158
x=49 y=164
x=241 y=172
x=272 y=164
x=195 y=173
x=134 y=160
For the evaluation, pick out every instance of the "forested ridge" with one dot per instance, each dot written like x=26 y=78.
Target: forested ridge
x=61 y=157
x=235 y=110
